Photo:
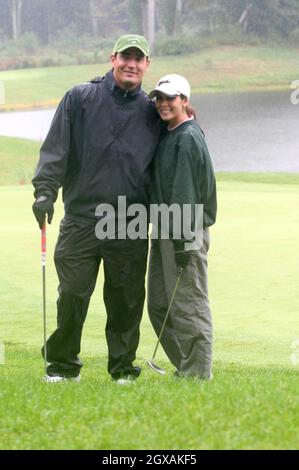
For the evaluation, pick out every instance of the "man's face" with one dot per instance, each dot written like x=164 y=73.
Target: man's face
x=129 y=67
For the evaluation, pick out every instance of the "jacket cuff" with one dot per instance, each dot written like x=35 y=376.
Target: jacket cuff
x=47 y=193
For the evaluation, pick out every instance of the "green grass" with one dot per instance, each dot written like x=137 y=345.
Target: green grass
x=18 y=159
x=239 y=410
x=277 y=178
x=252 y=401
x=224 y=68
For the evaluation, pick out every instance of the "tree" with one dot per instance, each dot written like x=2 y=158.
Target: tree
x=136 y=17
x=48 y=19
x=271 y=17
x=178 y=17
x=243 y=20
x=151 y=23
x=93 y=16
x=107 y=16
x=15 y=10
x=167 y=10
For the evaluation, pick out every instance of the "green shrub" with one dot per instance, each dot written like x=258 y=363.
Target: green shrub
x=84 y=58
x=177 y=46
x=28 y=63
x=29 y=42
x=229 y=36
x=294 y=37
x=10 y=49
x=68 y=40
x=101 y=56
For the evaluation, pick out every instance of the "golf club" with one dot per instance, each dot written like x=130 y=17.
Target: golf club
x=44 y=253
x=151 y=363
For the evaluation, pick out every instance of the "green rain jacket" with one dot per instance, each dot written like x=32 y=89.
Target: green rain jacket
x=183 y=173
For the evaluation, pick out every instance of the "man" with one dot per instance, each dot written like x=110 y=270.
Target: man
x=99 y=147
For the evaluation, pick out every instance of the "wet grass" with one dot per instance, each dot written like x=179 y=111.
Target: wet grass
x=252 y=401
x=18 y=158
x=268 y=178
x=224 y=68
x=243 y=408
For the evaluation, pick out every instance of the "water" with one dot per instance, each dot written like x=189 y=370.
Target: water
x=256 y=131
x=28 y=124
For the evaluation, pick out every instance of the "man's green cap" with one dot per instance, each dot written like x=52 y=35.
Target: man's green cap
x=131 y=40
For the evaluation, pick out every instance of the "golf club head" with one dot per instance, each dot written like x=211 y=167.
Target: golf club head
x=156 y=368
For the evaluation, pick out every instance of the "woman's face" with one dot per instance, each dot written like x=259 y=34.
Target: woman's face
x=171 y=109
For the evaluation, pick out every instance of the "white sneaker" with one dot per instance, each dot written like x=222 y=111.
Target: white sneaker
x=58 y=378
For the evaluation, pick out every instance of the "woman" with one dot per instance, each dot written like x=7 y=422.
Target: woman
x=182 y=175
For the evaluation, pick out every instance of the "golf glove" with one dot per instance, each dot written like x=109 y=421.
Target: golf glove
x=42 y=206
x=182 y=258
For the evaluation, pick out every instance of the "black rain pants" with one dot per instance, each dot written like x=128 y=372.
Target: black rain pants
x=78 y=255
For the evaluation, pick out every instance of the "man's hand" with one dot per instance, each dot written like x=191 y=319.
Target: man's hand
x=41 y=207
x=182 y=258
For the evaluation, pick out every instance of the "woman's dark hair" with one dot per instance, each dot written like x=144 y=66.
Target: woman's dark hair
x=191 y=112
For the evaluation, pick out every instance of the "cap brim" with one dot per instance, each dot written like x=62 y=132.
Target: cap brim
x=122 y=49
x=155 y=92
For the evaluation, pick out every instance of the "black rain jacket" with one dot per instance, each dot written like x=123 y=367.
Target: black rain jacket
x=100 y=146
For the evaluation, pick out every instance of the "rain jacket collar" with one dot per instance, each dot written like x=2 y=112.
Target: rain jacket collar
x=115 y=89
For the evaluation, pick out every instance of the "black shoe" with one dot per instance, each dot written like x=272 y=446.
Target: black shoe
x=177 y=375
x=131 y=371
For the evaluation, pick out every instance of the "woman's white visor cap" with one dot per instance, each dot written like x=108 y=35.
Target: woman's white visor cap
x=172 y=85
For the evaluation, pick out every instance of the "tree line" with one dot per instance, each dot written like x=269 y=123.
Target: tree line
x=108 y=18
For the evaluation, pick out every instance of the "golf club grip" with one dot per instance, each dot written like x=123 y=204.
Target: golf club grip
x=44 y=244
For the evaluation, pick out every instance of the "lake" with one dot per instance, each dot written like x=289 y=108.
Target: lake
x=252 y=131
